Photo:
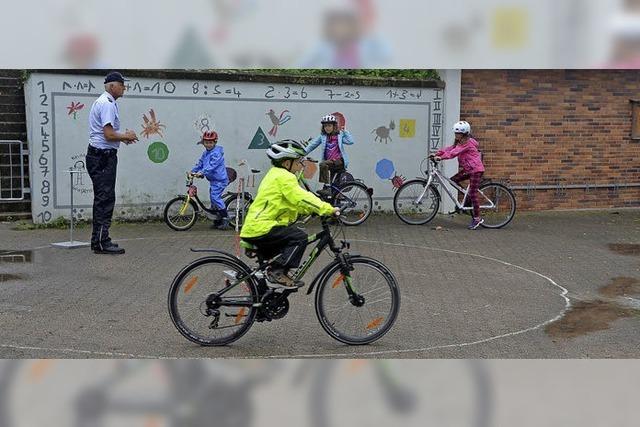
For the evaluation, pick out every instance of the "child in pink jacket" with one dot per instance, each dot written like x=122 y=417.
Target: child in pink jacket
x=465 y=148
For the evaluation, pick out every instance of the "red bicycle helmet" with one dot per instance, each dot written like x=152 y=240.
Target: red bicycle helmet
x=210 y=135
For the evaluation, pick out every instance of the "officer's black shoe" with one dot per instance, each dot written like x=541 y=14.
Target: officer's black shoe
x=108 y=250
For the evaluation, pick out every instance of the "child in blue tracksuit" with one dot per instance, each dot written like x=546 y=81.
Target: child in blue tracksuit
x=211 y=166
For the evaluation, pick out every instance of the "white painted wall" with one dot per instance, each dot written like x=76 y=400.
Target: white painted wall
x=58 y=141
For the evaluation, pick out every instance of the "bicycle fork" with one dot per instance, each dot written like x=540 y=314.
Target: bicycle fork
x=424 y=192
x=346 y=268
x=185 y=204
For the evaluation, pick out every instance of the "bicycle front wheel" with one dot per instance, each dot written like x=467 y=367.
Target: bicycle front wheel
x=355 y=203
x=180 y=213
x=497 y=205
x=415 y=203
x=365 y=315
x=207 y=321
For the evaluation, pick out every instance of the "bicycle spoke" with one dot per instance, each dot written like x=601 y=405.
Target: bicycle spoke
x=503 y=208
x=220 y=323
x=367 y=314
x=354 y=202
x=415 y=204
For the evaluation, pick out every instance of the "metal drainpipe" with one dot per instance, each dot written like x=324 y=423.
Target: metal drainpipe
x=572 y=186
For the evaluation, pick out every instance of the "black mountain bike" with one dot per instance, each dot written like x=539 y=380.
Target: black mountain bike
x=214 y=300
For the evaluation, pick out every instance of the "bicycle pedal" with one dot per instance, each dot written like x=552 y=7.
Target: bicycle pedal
x=231 y=274
x=278 y=288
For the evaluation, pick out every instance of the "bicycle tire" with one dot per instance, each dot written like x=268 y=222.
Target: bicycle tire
x=391 y=316
x=179 y=201
x=359 y=216
x=505 y=195
x=411 y=190
x=230 y=204
x=185 y=273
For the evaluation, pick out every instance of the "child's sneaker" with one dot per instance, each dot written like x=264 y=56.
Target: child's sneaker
x=223 y=224
x=277 y=278
x=475 y=223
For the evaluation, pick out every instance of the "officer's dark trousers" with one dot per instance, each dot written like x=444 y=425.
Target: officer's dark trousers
x=101 y=165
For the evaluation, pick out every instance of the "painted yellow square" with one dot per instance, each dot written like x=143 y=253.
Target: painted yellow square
x=510 y=29
x=407 y=128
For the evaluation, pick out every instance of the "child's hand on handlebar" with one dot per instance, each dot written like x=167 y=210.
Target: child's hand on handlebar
x=336 y=212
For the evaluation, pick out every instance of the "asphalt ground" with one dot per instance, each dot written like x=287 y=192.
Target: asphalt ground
x=549 y=285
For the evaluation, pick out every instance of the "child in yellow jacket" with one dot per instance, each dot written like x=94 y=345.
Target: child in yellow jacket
x=278 y=203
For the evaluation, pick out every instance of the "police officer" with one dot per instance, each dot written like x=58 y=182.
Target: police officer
x=102 y=159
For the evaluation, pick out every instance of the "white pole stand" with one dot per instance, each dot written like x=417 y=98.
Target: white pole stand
x=71 y=244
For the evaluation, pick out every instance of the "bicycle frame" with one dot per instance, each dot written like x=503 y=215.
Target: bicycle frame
x=190 y=197
x=192 y=194
x=323 y=238
x=436 y=175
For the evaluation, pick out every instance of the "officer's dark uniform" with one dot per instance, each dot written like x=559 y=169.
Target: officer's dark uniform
x=102 y=160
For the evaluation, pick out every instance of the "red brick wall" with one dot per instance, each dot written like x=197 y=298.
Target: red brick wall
x=557 y=127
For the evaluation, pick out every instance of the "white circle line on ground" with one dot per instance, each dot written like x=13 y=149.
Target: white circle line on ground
x=77 y=351
x=563 y=294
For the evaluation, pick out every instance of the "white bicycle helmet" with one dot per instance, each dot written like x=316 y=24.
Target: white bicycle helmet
x=287 y=149
x=462 y=127
x=329 y=118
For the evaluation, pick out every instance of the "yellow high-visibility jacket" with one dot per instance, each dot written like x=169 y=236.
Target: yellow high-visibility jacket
x=279 y=201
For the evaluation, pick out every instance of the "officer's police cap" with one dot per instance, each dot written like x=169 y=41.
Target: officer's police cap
x=114 y=76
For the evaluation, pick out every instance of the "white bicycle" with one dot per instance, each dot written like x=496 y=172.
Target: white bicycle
x=417 y=201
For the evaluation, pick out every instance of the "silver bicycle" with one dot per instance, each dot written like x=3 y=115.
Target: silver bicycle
x=417 y=201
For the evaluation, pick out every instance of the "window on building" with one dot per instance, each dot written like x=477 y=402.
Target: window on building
x=635 y=115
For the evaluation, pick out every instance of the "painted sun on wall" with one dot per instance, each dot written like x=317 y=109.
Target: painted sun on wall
x=157 y=152
x=151 y=125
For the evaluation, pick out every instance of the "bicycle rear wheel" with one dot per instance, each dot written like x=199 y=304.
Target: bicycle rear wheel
x=497 y=205
x=238 y=216
x=180 y=213
x=371 y=314
x=355 y=202
x=218 y=323
x=415 y=204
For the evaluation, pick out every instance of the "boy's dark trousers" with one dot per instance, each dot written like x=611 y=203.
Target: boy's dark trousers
x=290 y=241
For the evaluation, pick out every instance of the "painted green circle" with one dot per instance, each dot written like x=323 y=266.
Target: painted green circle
x=158 y=152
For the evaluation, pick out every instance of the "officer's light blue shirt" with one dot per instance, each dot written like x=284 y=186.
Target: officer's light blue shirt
x=104 y=111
